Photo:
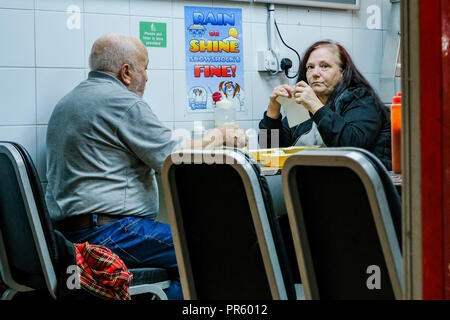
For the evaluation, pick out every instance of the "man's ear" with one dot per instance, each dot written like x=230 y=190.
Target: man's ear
x=124 y=74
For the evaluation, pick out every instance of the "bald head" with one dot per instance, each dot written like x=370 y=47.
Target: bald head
x=124 y=57
x=111 y=51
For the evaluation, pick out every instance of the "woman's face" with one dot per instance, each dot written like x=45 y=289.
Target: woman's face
x=322 y=71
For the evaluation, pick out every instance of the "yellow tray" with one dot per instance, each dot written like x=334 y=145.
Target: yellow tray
x=281 y=151
x=268 y=154
x=273 y=160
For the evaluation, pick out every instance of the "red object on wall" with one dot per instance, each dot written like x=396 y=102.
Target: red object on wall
x=445 y=9
x=435 y=145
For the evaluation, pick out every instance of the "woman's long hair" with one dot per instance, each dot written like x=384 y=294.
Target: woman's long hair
x=351 y=77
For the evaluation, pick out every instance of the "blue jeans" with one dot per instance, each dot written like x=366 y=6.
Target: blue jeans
x=139 y=242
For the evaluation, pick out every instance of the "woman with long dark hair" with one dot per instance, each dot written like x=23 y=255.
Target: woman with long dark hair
x=345 y=110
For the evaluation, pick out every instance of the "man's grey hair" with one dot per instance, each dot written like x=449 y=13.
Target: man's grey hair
x=111 y=51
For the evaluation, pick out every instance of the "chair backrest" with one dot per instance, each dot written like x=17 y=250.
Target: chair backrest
x=27 y=243
x=223 y=227
x=343 y=232
x=392 y=195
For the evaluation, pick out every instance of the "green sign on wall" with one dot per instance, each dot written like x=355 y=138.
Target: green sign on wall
x=153 y=34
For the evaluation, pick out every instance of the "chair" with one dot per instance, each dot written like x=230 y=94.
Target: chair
x=226 y=237
x=344 y=230
x=391 y=192
x=34 y=256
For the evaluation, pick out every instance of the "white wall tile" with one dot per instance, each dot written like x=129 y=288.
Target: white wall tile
x=180 y=99
x=178 y=6
x=259 y=42
x=159 y=93
x=336 y=18
x=344 y=36
x=41 y=156
x=304 y=16
x=263 y=84
x=159 y=57
x=154 y=8
x=179 y=50
x=368 y=50
x=14 y=4
x=97 y=25
x=58 y=5
x=107 y=6
x=17 y=91
x=387 y=89
x=374 y=81
x=56 y=44
x=247 y=113
x=52 y=85
x=24 y=135
x=246 y=9
x=386 y=13
x=249 y=55
x=398 y=84
x=281 y=14
x=17 y=38
x=259 y=13
x=245 y=124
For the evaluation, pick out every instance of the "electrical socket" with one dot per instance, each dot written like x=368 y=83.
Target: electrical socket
x=267 y=61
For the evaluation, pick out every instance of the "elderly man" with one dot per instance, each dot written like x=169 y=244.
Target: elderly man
x=104 y=144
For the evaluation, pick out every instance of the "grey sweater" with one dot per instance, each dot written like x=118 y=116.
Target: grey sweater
x=104 y=144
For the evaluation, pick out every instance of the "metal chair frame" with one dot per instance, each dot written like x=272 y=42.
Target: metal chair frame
x=34 y=220
x=365 y=170
x=255 y=199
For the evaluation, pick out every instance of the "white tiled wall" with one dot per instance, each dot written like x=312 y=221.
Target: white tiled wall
x=41 y=59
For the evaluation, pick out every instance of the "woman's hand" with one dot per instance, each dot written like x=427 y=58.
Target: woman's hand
x=305 y=95
x=273 y=110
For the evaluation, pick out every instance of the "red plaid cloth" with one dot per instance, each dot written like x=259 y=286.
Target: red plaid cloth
x=102 y=272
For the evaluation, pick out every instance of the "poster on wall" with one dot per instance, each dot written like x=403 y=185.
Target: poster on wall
x=214 y=57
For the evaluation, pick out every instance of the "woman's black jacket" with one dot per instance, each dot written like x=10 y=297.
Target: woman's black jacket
x=356 y=122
